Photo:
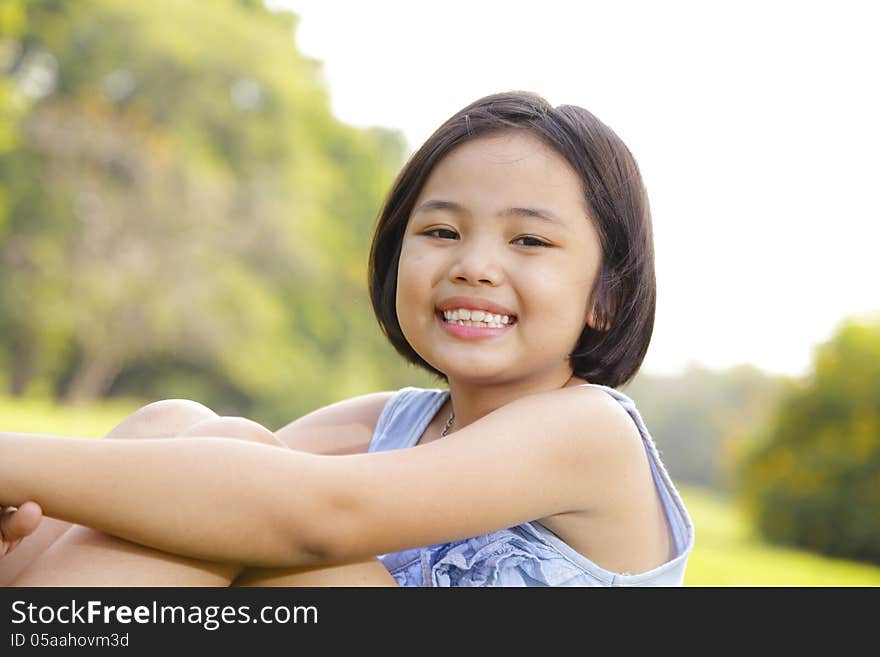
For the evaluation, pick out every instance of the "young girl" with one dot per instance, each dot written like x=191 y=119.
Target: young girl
x=513 y=258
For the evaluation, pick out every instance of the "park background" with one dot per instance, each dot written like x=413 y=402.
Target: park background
x=188 y=190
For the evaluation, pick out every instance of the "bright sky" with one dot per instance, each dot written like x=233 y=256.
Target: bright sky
x=755 y=125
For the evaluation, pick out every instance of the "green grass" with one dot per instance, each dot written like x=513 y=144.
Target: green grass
x=726 y=551
x=37 y=415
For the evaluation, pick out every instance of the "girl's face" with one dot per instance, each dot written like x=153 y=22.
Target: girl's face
x=500 y=225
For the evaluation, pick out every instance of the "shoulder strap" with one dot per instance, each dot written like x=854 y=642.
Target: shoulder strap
x=405 y=416
x=680 y=521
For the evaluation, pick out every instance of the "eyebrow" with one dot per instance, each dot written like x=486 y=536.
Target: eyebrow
x=535 y=213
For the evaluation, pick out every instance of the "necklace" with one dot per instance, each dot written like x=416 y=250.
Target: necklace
x=448 y=424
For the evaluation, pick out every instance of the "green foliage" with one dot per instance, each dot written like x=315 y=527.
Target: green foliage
x=701 y=418
x=181 y=213
x=814 y=478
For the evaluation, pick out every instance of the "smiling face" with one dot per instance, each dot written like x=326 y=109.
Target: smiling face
x=501 y=224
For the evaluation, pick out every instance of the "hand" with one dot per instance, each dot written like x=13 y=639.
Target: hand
x=15 y=524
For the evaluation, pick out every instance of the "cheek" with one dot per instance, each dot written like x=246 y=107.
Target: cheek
x=563 y=299
x=413 y=288
x=411 y=257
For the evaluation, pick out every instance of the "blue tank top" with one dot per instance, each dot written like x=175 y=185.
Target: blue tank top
x=528 y=554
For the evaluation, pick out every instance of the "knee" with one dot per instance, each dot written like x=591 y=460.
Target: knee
x=162 y=419
x=233 y=427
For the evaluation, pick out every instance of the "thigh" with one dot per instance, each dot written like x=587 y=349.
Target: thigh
x=88 y=557
x=49 y=531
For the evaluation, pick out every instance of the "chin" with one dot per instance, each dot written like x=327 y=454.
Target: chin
x=481 y=376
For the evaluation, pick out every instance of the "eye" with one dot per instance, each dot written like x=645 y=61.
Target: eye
x=442 y=233
x=530 y=241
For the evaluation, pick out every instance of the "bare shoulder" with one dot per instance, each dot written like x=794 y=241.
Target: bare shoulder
x=620 y=524
x=345 y=427
x=612 y=427
x=592 y=423
x=593 y=443
x=577 y=437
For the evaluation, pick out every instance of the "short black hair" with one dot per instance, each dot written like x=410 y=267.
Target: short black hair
x=625 y=293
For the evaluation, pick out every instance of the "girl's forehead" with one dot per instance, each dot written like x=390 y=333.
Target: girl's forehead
x=513 y=150
x=510 y=167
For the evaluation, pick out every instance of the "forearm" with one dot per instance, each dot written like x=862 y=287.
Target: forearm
x=210 y=498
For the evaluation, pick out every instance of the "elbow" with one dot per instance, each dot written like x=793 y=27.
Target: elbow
x=288 y=544
x=319 y=521
x=317 y=536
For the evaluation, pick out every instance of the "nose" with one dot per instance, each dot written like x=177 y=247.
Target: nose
x=476 y=263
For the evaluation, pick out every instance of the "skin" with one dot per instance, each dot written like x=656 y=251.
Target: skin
x=15 y=524
x=476 y=252
x=575 y=455
x=63 y=554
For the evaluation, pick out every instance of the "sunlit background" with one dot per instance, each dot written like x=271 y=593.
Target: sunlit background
x=754 y=125
x=187 y=192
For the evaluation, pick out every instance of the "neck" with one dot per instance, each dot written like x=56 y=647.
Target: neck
x=471 y=400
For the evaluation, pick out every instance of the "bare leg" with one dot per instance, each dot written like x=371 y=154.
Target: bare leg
x=161 y=419
x=30 y=548
x=87 y=557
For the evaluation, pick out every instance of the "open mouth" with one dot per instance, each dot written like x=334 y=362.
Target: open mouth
x=475 y=318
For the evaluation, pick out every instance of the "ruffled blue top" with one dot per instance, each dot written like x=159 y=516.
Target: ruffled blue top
x=528 y=554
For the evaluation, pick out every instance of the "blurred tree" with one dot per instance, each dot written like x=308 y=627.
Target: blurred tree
x=700 y=417
x=182 y=211
x=814 y=479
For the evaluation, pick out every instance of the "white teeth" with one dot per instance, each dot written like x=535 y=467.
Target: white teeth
x=468 y=317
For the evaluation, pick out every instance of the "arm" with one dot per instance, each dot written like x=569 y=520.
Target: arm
x=345 y=427
x=540 y=455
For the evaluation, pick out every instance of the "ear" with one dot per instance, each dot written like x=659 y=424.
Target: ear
x=592 y=320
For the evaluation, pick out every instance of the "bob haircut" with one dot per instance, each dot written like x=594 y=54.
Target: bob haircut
x=624 y=295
